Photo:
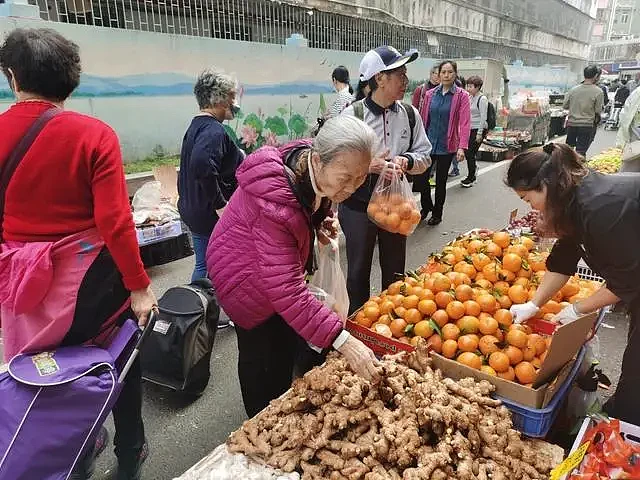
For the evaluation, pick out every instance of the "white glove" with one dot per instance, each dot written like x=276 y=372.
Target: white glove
x=567 y=315
x=360 y=358
x=522 y=313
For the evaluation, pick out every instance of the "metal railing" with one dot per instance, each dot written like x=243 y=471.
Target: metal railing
x=248 y=20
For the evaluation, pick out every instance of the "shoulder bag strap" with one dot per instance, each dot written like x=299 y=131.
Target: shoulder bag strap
x=18 y=154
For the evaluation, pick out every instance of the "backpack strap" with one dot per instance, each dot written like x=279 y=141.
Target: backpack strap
x=358 y=109
x=412 y=121
x=18 y=154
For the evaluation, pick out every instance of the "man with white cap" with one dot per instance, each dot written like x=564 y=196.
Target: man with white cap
x=403 y=142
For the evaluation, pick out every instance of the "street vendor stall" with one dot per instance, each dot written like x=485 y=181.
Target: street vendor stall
x=460 y=386
x=503 y=144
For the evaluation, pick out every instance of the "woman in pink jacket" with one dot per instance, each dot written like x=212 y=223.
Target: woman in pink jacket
x=446 y=113
x=262 y=246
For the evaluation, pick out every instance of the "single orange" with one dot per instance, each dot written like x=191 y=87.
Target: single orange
x=517 y=338
x=397 y=327
x=488 y=370
x=455 y=310
x=450 y=332
x=427 y=294
x=515 y=354
x=488 y=345
x=413 y=316
x=435 y=342
x=493 y=249
x=467 y=343
x=518 y=294
x=522 y=281
x=362 y=320
x=423 y=329
x=529 y=353
x=427 y=307
x=538 y=343
x=449 y=348
x=504 y=317
x=372 y=313
x=502 y=239
x=400 y=311
x=470 y=360
x=499 y=362
x=440 y=317
x=385 y=319
x=525 y=373
x=488 y=303
x=387 y=307
x=468 y=324
x=411 y=302
x=394 y=288
x=488 y=326
x=504 y=301
x=464 y=293
x=441 y=284
x=512 y=262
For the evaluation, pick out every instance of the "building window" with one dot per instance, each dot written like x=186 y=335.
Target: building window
x=624 y=18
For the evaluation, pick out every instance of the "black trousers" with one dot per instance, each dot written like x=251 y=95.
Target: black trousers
x=624 y=403
x=270 y=356
x=441 y=164
x=472 y=152
x=361 y=236
x=101 y=295
x=580 y=138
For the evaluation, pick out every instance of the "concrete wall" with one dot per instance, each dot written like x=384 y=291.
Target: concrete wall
x=141 y=84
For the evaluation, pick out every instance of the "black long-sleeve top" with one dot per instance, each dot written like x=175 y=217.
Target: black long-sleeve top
x=606 y=214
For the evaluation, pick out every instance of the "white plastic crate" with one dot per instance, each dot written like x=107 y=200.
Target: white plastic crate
x=586 y=273
x=148 y=235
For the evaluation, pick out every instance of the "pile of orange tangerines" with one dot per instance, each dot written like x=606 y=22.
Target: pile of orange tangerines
x=459 y=302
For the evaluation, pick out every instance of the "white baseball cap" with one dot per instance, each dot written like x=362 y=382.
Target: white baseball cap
x=383 y=59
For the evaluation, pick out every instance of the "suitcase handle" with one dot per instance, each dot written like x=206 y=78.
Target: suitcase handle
x=146 y=331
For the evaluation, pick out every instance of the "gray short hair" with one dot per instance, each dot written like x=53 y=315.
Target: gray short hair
x=344 y=133
x=213 y=87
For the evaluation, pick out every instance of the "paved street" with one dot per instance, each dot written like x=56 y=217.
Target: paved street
x=181 y=431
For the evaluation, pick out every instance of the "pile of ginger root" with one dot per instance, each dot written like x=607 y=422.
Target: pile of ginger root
x=414 y=425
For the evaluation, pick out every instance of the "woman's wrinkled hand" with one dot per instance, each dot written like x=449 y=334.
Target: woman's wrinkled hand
x=328 y=230
x=142 y=302
x=361 y=359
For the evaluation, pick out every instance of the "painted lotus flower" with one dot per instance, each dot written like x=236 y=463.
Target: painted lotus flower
x=249 y=135
x=270 y=139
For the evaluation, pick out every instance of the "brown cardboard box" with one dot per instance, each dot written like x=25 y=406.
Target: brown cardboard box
x=567 y=341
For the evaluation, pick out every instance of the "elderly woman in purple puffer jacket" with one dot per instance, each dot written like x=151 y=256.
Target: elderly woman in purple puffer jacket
x=263 y=245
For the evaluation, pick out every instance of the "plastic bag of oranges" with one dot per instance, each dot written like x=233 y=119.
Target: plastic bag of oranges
x=392 y=206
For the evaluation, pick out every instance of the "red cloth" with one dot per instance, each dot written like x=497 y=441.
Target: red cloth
x=71 y=180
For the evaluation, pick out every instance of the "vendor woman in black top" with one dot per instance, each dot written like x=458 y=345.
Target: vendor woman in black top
x=595 y=217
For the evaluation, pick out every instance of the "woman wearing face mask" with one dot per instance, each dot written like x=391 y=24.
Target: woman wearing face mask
x=342 y=85
x=263 y=245
x=446 y=112
x=208 y=162
x=595 y=217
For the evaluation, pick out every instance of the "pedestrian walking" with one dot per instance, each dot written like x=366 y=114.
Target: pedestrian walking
x=342 y=85
x=584 y=103
x=446 y=112
x=419 y=93
x=263 y=245
x=479 y=127
x=595 y=217
x=208 y=162
x=402 y=141
x=70 y=261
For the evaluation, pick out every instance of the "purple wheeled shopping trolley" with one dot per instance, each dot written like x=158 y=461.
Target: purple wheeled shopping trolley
x=52 y=404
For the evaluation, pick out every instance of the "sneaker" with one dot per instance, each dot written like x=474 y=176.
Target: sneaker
x=433 y=221
x=224 y=321
x=454 y=174
x=133 y=470
x=468 y=182
x=87 y=465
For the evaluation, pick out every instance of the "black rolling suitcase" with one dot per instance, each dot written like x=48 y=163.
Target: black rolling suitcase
x=177 y=353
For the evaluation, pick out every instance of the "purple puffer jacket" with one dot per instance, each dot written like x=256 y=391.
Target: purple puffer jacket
x=257 y=254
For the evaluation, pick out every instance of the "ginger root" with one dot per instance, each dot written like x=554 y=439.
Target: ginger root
x=413 y=425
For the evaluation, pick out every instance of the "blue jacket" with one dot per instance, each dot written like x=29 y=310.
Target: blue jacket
x=207 y=177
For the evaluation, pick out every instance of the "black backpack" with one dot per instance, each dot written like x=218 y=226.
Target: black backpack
x=177 y=354
x=491 y=114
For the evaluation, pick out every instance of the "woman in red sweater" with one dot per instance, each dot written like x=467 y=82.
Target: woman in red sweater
x=70 y=266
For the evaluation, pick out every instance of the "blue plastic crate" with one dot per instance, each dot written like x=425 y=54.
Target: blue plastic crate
x=536 y=422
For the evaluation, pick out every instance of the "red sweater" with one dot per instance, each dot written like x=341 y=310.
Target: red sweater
x=71 y=180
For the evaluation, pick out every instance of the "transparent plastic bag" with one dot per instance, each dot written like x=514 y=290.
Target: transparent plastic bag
x=328 y=283
x=392 y=205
